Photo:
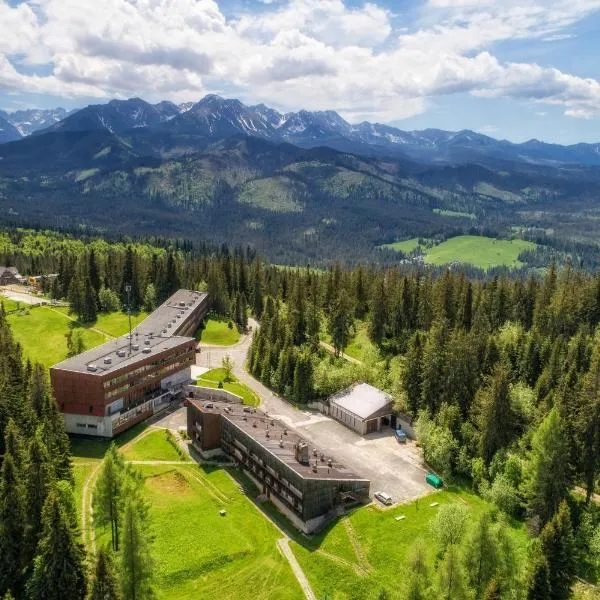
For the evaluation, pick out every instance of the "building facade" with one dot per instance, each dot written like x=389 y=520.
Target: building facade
x=110 y=388
x=10 y=276
x=304 y=484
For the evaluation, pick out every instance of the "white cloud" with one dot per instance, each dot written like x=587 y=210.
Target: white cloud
x=315 y=54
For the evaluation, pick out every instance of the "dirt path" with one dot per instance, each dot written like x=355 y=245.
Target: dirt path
x=284 y=545
x=88 y=533
x=347 y=357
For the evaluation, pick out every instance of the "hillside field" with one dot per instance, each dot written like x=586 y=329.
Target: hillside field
x=42 y=330
x=482 y=252
x=479 y=251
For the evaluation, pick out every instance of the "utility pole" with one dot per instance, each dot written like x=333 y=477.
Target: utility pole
x=128 y=290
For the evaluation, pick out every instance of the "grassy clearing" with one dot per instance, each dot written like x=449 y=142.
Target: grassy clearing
x=478 y=251
x=277 y=194
x=335 y=570
x=360 y=345
x=41 y=332
x=152 y=446
x=453 y=213
x=211 y=379
x=406 y=246
x=217 y=332
x=199 y=553
x=10 y=305
x=117 y=323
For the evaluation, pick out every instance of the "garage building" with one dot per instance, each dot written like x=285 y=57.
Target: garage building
x=362 y=407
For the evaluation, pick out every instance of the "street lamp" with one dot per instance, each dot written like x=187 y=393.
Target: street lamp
x=128 y=290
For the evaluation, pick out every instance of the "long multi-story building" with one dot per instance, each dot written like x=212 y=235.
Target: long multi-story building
x=309 y=487
x=110 y=388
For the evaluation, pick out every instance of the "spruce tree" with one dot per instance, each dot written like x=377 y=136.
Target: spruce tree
x=108 y=494
x=558 y=545
x=538 y=578
x=451 y=583
x=497 y=421
x=58 y=570
x=12 y=527
x=136 y=552
x=105 y=585
x=39 y=479
x=547 y=481
x=480 y=556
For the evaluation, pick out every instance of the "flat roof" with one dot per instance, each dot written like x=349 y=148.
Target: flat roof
x=156 y=333
x=280 y=441
x=363 y=400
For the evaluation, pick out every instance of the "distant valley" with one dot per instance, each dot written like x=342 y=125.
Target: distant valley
x=305 y=186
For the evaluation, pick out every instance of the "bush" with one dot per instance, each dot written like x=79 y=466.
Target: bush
x=504 y=495
x=109 y=300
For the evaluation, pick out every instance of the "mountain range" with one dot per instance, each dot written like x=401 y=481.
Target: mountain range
x=299 y=186
x=214 y=117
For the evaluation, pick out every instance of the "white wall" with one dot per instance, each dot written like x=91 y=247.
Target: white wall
x=73 y=424
x=179 y=378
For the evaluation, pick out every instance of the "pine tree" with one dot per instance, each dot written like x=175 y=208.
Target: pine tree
x=108 y=494
x=12 y=527
x=558 y=546
x=13 y=445
x=497 y=421
x=547 y=476
x=538 y=579
x=378 y=312
x=94 y=271
x=136 y=558
x=480 y=556
x=172 y=281
x=39 y=479
x=340 y=323
x=105 y=585
x=90 y=303
x=451 y=584
x=58 y=571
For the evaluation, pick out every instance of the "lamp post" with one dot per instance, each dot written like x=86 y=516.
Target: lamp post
x=128 y=290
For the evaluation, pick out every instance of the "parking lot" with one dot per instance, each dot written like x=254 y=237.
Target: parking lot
x=391 y=467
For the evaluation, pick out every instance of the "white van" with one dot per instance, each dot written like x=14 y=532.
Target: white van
x=384 y=498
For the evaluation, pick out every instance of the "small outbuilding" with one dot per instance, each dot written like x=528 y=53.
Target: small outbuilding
x=362 y=407
x=9 y=276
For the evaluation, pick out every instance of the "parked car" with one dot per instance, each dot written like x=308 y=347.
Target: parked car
x=400 y=436
x=384 y=498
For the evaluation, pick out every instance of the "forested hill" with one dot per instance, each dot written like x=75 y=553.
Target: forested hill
x=293 y=205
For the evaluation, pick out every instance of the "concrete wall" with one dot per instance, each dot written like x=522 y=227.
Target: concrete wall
x=88 y=425
x=177 y=379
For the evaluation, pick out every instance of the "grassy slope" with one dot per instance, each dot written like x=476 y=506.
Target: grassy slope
x=197 y=552
x=211 y=379
x=218 y=333
x=360 y=344
x=405 y=246
x=453 y=213
x=152 y=446
x=41 y=331
x=385 y=543
x=202 y=554
x=479 y=251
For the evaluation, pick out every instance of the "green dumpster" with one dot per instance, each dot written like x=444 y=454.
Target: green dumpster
x=434 y=480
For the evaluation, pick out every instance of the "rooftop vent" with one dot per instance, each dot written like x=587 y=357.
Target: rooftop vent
x=182 y=304
x=169 y=325
x=285 y=432
x=315 y=453
x=330 y=463
x=322 y=457
x=254 y=424
x=147 y=350
x=92 y=368
x=164 y=330
x=267 y=434
x=107 y=360
x=147 y=342
x=281 y=443
x=121 y=353
x=315 y=468
x=136 y=347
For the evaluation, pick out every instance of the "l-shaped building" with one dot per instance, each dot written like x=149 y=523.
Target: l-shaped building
x=307 y=486
x=110 y=388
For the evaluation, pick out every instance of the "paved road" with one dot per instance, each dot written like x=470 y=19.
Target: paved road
x=22 y=297
x=391 y=467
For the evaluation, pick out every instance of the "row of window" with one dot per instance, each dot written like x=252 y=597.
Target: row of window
x=144 y=368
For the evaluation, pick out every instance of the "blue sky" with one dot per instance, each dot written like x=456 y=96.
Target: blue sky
x=506 y=68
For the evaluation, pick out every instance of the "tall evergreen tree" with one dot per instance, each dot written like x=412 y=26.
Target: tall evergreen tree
x=12 y=527
x=547 y=476
x=136 y=554
x=58 y=570
x=105 y=585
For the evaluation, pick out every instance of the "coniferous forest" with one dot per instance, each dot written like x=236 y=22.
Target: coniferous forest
x=500 y=376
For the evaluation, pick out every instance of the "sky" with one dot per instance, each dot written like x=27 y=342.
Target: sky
x=511 y=69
